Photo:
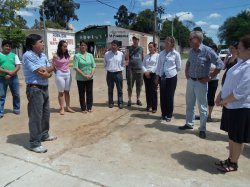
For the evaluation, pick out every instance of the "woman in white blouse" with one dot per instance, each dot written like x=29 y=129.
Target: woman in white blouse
x=168 y=66
x=149 y=65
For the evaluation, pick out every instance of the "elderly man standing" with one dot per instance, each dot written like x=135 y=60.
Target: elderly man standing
x=134 y=55
x=198 y=76
x=114 y=64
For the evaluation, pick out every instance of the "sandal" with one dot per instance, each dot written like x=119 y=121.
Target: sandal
x=222 y=162
x=228 y=167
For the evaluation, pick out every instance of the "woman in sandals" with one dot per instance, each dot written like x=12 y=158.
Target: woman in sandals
x=235 y=99
x=63 y=76
x=84 y=64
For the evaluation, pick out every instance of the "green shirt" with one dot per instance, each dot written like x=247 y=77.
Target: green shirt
x=84 y=64
x=7 y=62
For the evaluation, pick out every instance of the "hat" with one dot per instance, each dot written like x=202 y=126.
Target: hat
x=135 y=38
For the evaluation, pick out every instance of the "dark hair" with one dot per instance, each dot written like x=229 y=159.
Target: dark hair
x=234 y=44
x=59 y=52
x=31 y=40
x=213 y=46
x=5 y=42
x=116 y=42
x=245 y=40
x=154 y=44
x=83 y=41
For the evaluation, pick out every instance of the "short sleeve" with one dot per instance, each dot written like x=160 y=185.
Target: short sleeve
x=93 y=65
x=17 y=61
x=76 y=61
x=31 y=62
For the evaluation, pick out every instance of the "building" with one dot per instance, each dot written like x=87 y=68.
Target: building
x=99 y=38
x=53 y=36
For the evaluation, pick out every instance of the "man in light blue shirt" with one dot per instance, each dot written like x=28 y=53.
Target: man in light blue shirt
x=114 y=64
x=37 y=71
x=198 y=75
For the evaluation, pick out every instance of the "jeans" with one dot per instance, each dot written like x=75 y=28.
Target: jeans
x=13 y=83
x=196 y=91
x=115 y=78
x=85 y=87
x=151 y=91
x=167 y=90
x=39 y=114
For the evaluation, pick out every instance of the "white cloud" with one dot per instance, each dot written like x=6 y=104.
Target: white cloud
x=200 y=23
x=214 y=15
x=215 y=27
x=35 y=3
x=24 y=13
x=180 y=15
x=184 y=16
x=107 y=22
x=151 y=2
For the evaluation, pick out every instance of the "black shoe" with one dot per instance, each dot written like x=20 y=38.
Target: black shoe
x=148 y=109
x=129 y=103
x=111 y=105
x=185 y=127
x=202 y=135
x=154 y=111
x=139 y=102
x=120 y=106
x=197 y=118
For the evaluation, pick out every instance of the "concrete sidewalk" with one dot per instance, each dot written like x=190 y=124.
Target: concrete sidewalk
x=116 y=148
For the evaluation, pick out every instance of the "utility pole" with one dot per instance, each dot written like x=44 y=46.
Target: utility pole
x=45 y=34
x=155 y=21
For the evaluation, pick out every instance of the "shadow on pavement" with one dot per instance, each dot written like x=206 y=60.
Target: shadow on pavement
x=212 y=136
x=56 y=110
x=145 y=116
x=194 y=162
x=246 y=151
x=19 y=139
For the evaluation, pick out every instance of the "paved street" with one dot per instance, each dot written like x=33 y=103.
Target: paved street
x=115 y=148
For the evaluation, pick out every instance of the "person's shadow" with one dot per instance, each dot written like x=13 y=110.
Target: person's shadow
x=19 y=139
x=194 y=162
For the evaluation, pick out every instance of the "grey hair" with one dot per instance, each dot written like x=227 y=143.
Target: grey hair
x=197 y=34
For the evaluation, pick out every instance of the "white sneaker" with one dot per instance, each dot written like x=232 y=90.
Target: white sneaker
x=39 y=149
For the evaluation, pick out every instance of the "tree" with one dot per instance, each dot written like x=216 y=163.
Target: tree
x=11 y=24
x=144 y=21
x=235 y=27
x=180 y=32
x=59 y=11
x=124 y=18
x=48 y=24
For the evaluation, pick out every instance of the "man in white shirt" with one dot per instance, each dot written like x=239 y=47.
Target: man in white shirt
x=114 y=64
x=9 y=66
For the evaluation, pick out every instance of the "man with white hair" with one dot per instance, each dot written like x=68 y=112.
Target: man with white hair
x=198 y=76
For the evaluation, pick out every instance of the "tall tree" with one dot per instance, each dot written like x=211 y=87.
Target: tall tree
x=59 y=11
x=235 y=27
x=180 y=32
x=144 y=21
x=124 y=18
x=11 y=24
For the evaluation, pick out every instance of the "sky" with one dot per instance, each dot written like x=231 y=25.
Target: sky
x=208 y=14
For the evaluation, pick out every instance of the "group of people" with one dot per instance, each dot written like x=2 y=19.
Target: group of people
x=201 y=70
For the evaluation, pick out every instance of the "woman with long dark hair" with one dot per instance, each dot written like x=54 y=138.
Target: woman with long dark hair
x=63 y=77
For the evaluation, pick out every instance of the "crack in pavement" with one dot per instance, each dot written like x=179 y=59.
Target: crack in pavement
x=51 y=169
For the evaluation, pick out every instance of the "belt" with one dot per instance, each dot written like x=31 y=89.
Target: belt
x=37 y=86
x=197 y=79
x=115 y=72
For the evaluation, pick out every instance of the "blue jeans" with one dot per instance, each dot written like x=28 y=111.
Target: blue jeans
x=13 y=83
x=196 y=91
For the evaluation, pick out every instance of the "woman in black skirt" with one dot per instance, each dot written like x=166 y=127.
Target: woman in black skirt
x=235 y=98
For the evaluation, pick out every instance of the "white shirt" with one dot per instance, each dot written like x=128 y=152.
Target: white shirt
x=17 y=61
x=114 y=62
x=169 y=63
x=238 y=83
x=150 y=62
